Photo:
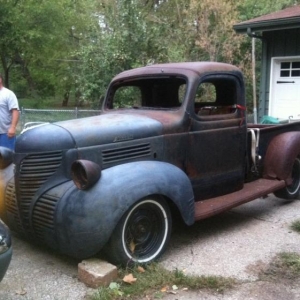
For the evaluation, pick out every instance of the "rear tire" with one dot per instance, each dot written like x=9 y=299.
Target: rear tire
x=142 y=234
x=291 y=191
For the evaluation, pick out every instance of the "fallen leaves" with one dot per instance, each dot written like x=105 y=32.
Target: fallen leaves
x=141 y=269
x=164 y=289
x=152 y=281
x=173 y=290
x=129 y=279
x=132 y=246
x=115 y=287
x=21 y=292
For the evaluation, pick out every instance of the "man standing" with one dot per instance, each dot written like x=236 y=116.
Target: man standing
x=9 y=116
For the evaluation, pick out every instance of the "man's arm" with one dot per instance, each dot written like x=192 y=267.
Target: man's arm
x=15 y=118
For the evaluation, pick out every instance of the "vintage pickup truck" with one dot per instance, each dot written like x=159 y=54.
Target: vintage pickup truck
x=172 y=142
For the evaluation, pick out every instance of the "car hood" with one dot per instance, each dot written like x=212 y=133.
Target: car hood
x=85 y=132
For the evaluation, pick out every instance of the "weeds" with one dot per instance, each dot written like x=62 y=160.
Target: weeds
x=291 y=261
x=156 y=281
x=296 y=226
x=285 y=265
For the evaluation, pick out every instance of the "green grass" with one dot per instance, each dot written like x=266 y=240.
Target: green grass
x=296 y=226
x=292 y=262
x=155 y=281
x=285 y=266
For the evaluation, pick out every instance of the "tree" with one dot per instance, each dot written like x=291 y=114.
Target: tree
x=121 y=38
x=37 y=40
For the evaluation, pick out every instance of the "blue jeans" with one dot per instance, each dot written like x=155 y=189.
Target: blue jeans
x=7 y=142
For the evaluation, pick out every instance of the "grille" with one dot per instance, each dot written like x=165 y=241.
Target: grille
x=35 y=169
x=43 y=215
x=115 y=155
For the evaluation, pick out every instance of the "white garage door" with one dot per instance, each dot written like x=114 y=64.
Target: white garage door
x=285 y=88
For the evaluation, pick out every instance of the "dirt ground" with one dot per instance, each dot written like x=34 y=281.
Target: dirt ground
x=239 y=244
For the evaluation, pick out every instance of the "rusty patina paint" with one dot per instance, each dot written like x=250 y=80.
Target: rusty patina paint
x=281 y=154
x=251 y=191
x=188 y=69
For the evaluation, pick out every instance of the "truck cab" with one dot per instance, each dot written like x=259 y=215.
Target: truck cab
x=202 y=112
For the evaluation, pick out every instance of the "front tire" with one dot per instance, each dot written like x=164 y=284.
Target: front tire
x=291 y=191
x=142 y=234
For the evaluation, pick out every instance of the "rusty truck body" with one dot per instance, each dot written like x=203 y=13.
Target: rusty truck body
x=172 y=141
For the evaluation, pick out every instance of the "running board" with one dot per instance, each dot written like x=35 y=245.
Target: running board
x=250 y=191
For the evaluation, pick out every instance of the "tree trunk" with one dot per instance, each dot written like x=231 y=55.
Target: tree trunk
x=66 y=98
x=25 y=71
x=5 y=68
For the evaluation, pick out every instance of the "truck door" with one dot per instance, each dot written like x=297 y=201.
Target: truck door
x=217 y=139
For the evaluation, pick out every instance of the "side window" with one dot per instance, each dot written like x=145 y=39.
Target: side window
x=127 y=96
x=216 y=96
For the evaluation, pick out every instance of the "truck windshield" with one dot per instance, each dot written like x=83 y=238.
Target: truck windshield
x=155 y=93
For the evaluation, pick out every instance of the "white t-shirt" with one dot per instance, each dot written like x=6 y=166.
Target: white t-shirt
x=8 y=101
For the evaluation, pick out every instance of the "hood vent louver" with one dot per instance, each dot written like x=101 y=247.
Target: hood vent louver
x=126 y=153
x=43 y=215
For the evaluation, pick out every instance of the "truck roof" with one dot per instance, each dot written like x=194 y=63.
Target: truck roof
x=181 y=68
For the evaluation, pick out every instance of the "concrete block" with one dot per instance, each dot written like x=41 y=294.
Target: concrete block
x=94 y=272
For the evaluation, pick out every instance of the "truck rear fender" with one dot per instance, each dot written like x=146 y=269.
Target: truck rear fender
x=280 y=156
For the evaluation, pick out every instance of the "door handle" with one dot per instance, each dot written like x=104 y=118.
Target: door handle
x=285 y=82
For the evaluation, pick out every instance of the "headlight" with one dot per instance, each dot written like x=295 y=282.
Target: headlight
x=6 y=157
x=85 y=173
x=5 y=239
x=5 y=244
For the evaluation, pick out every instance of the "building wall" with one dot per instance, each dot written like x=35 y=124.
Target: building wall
x=275 y=43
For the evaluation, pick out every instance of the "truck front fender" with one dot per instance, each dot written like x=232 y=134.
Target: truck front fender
x=86 y=219
x=280 y=156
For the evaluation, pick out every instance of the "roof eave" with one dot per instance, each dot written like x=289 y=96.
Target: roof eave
x=269 y=25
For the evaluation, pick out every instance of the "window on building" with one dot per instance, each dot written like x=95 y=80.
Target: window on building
x=290 y=69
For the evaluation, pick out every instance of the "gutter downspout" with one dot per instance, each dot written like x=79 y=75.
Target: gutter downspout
x=253 y=36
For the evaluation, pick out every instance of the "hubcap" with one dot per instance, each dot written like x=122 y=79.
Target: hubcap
x=145 y=231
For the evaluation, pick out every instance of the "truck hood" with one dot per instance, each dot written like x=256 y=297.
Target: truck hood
x=85 y=132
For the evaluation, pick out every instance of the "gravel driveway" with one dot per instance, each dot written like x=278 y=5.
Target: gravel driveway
x=235 y=244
